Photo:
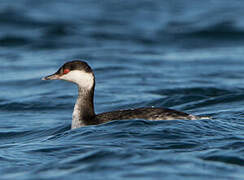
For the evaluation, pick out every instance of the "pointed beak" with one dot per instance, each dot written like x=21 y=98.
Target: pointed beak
x=51 y=77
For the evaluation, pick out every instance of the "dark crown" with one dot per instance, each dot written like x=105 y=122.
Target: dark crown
x=75 y=65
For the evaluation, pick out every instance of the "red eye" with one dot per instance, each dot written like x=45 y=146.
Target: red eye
x=66 y=71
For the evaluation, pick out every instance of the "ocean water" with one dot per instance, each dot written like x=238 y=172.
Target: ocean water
x=185 y=55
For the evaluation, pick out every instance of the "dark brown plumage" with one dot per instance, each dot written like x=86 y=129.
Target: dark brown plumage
x=143 y=113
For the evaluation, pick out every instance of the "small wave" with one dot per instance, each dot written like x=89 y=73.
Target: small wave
x=221 y=29
x=33 y=106
x=201 y=91
x=14 y=41
x=228 y=154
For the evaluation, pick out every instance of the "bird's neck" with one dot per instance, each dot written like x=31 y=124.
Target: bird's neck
x=83 y=113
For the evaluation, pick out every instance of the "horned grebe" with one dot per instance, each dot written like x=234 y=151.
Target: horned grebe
x=80 y=72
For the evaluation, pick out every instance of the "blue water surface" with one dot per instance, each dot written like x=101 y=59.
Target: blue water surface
x=185 y=55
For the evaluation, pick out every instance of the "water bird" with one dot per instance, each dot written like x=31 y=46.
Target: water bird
x=80 y=73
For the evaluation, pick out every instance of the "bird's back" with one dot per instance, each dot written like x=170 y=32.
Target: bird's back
x=144 y=113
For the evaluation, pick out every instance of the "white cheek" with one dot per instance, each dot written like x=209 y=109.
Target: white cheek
x=83 y=79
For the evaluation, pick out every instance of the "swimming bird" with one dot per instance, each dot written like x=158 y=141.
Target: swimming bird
x=80 y=73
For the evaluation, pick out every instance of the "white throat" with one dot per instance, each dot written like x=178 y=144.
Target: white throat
x=84 y=108
x=76 y=116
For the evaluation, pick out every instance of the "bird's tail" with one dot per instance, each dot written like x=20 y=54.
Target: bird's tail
x=192 y=117
x=205 y=117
